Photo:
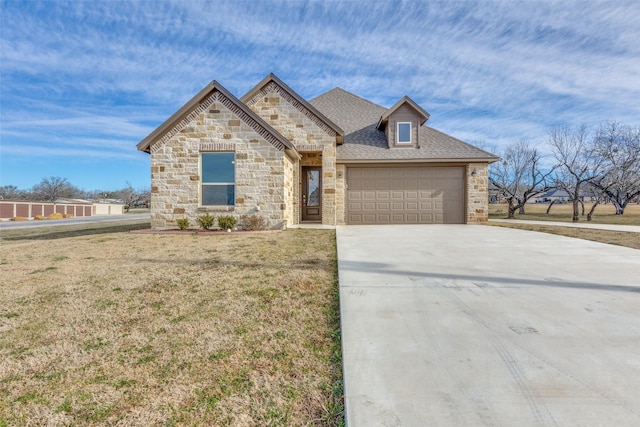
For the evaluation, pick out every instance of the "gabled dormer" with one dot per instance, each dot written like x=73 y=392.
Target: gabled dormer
x=401 y=122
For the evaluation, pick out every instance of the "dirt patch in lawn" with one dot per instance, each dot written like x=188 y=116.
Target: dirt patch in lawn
x=112 y=328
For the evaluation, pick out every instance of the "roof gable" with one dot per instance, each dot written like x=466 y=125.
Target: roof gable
x=273 y=83
x=213 y=92
x=420 y=112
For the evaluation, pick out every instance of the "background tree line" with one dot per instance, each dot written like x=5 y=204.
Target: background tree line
x=603 y=163
x=53 y=188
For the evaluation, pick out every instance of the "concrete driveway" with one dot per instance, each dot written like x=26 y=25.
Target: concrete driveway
x=463 y=325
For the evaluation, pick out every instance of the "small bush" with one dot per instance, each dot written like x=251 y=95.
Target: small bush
x=206 y=221
x=183 y=223
x=253 y=222
x=227 y=222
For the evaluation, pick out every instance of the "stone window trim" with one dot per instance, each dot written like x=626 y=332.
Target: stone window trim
x=216 y=208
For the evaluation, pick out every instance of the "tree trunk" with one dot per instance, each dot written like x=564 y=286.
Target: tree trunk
x=511 y=210
x=593 y=208
x=550 y=204
x=576 y=211
x=521 y=210
x=618 y=206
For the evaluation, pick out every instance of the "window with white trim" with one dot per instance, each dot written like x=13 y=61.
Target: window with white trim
x=218 y=179
x=403 y=133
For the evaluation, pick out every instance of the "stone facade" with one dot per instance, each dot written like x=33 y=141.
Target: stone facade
x=341 y=194
x=312 y=139
x=477 y=193
x=262 y=172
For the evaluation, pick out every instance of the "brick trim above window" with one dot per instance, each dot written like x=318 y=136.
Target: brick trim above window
x=217 y=146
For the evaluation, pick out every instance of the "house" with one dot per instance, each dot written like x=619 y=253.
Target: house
x=335 y=159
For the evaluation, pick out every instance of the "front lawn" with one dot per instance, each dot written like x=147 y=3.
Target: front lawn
x=110 y=328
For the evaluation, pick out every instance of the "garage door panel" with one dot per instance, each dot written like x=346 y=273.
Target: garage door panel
x=405 y=195
x=369 y=195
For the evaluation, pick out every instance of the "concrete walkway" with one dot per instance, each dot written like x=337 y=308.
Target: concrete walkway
x=462 y=325
x=610 y=227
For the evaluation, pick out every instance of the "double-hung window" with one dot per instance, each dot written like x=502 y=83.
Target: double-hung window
x=218 y=179
x=403 y=133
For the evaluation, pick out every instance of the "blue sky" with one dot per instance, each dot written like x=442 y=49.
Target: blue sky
x=83 y=82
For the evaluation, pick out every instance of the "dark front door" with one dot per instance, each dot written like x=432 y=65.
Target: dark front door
x=311 y=193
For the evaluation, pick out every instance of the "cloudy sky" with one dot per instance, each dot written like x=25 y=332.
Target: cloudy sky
x=83 y=82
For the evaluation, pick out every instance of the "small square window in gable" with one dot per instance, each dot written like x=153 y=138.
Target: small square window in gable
x=403 y=133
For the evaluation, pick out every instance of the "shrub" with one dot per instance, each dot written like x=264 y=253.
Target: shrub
x=206 y=221
x=227 y=222
x=253 y=222
x=183 y=223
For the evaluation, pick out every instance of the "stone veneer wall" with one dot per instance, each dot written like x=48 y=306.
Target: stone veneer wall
x=341 y=194
x=477 y=193
x=291 y=120
x=261 y=170
x=290 y=191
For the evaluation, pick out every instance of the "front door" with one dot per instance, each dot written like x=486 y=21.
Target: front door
x=311 y=193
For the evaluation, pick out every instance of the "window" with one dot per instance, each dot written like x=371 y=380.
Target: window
x=218 y=179
x=403 y=134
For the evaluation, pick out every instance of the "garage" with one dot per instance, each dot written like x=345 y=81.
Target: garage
x=406 y=195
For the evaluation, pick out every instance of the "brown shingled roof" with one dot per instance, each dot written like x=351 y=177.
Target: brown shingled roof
x=363 y=142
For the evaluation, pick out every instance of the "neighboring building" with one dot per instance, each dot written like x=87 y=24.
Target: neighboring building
x=71 y=207
x=561 y=196
x=336 y=159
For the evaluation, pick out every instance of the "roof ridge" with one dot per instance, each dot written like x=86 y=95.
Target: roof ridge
x=348 y=93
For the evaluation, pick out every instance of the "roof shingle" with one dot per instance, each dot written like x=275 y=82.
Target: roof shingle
x=358 y=118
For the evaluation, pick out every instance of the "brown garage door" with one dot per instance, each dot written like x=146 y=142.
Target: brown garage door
x=405 y=195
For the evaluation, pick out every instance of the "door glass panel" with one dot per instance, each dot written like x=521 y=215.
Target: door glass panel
x=313 y=188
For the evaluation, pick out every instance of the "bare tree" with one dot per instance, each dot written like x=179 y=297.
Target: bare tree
x=578 y=163
x=52 y=188
x=131 y=196
x=8 y=192
x=618 y=147
x=518 y=176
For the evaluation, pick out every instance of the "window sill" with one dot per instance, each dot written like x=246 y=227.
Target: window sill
x=216 y=208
